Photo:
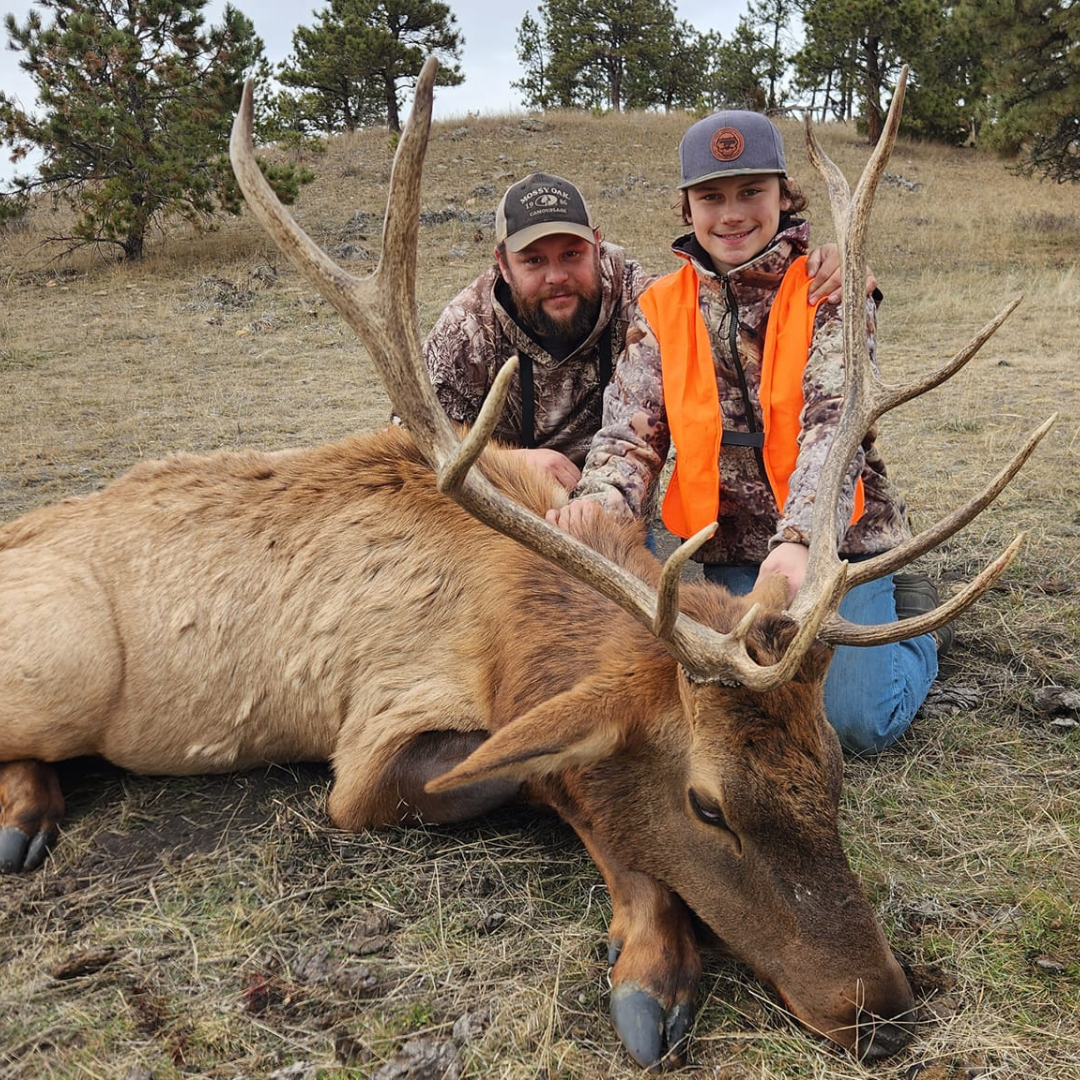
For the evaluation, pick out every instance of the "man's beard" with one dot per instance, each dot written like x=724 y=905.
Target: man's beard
x=571 y=328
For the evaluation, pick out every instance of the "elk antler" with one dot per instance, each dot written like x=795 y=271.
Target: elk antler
x=382 y=311
x=866 y=398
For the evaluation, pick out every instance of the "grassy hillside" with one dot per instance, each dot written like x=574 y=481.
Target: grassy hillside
x=220 y=928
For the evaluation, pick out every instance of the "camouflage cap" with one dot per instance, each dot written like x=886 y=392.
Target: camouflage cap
x=541 y=205
x=730 y=143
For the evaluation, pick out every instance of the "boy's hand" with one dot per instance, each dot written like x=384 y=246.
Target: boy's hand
x=577 y=516
x=823 y=266
x=787 y=560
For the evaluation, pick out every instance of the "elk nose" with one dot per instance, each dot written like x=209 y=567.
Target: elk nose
x=879 y=1039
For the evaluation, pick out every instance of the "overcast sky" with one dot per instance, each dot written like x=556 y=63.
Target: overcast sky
x=488 y=58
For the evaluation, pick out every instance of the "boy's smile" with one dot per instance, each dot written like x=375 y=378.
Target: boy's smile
x=735 y=217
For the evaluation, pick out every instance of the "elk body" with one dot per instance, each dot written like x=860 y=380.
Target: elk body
x=386 y=605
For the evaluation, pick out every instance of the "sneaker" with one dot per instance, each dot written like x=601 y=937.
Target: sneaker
x=915 y=595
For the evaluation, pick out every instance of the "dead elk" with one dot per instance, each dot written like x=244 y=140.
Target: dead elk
x=397 y=606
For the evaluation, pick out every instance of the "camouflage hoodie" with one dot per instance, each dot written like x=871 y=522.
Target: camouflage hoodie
x=629 y=452
x=477 y=334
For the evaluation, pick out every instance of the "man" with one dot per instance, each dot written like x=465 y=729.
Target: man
x=560 y=298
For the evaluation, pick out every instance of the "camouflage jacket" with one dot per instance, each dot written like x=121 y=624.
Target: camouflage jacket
x=631 y=448
x=477 y=334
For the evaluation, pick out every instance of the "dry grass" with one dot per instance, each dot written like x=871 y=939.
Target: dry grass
x=219 y=928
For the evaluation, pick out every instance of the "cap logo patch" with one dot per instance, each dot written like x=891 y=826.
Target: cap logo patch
x=727 y=144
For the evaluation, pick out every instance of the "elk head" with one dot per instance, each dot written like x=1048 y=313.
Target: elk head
x=744 y=825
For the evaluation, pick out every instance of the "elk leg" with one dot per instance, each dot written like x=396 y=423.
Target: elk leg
x=655 y=968
x=655 y=963
x=31 y=807
x=391 y=792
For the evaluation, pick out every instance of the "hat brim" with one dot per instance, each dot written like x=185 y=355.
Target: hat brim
x=730 y=172
x=524 y=237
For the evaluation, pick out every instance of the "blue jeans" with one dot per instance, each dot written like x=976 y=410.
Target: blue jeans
x=871 y=694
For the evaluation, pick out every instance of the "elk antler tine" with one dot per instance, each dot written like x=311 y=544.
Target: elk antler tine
x=866 y=188
x=839 y=631
x=401 y=227
x=889 y=561
x=667 y=592
x=892 y=396
x=452 y=474
x=331 y=280
x=835 y=182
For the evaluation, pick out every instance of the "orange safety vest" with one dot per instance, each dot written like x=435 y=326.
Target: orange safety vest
x=692 y=400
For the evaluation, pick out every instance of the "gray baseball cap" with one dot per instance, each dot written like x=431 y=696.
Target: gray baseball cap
x=541 y=205
x=735 y=142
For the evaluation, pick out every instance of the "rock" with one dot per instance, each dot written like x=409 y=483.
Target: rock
x=471 y=1025
x=946 y=698
x=1057 y=701
x=83 y=962
x=422 y=1058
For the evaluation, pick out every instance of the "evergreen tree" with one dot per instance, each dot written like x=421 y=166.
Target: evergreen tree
x=767 y=21
x=945 y=99
x=679 y=78
x=1034 y=82
x=738 y=72
x=855 y=48
x=611 y=54
x=360 y=54
x=135 y=103
x=533 y=56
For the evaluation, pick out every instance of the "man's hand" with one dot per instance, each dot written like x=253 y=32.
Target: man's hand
x=576 y=516
x=558 y=466
x=823 y=266
x=788 y=560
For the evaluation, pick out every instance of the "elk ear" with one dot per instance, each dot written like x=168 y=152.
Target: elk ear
x=571 y=729
x=770 y=592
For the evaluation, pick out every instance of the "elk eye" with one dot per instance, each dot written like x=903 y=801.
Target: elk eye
x=709 y=812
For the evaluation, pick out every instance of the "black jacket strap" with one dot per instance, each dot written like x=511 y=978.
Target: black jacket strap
x=528 y=401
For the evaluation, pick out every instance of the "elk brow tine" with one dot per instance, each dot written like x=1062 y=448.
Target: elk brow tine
x=667 y=592
x=452 y=475
x=838 y=631
x=889 y=561
x=747 y=671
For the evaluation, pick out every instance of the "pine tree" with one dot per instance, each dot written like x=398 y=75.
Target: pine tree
x=135 y=102
x=358 y=56
x=1034 y=82
x=738 y=71
x=611 y=54
x=854 y=48
x=532 y=54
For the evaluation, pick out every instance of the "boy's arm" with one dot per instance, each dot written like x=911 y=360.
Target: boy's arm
x=629 y=450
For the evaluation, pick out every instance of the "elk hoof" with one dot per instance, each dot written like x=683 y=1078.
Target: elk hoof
x=20 y=852
x=639 y=1019
x=677 y=1031
x=654 y=1038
